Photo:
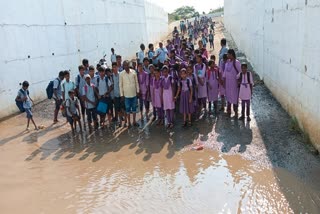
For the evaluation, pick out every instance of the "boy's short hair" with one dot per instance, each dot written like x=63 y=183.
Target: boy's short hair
x=85 y=61
x=71 y=92
x=244 y=65
x=61 y=74
x=108 y=70
x=112 y=49
x=118 y=56
x=114 y=64
x=145 y=59
x=91 y=68
x=150 y=45
x=66 y=73
x=101 y=69
x=81 y=67
x=25 y=84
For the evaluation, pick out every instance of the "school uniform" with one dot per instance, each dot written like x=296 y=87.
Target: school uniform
x=88 y=91
x=167 y=96
x=157 y=97
x=66 y=87
x=185 y=106
x=212 y=80
x=245 y=93
x=151 y=87
x=80 y=82
x=27 y=105
x=103 y=85
x=143 y=79
x=199 y=71
x=231 y=84
x=57 y=98
x=71 y=106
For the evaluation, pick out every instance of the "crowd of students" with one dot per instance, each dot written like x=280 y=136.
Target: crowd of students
x=171 y=80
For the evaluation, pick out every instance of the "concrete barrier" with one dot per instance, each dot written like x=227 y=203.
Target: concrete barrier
x=40 y=38
x=281 y=40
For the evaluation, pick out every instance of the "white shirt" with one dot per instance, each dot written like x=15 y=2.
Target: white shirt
x=113 y=58
x=66 y=87
x=141 y=56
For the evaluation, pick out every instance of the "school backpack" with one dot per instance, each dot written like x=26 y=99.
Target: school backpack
x=20 y=103
x=49 y=88
x=240 y=79
x=188 y=84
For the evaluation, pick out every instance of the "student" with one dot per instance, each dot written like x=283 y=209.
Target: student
x=168 y=100
x=151 y=81
x=118 y=104
x=73 y=111
x=169 y=46
x=193 y=78
x=213 y=85
x=140 y=54
x=85 y=63
x=202 y=49
x=232 y=69
x=161 y=54
x=143 y=79
x=245 y=94
x=146 y=63
x=113 y=57
x=129 y=90
x=80 y=82
x=151 y=53
x=103 y=89
x=57 y=95
x=223 y=50
x=119 y=63
x=222 y=90
x=90 y=100
x=23 y=96
x=185 y=91
x=92 y=74
x=67 y=85
x=204 y=41
x=211 y=38
x=157 y=96
x=199 y=70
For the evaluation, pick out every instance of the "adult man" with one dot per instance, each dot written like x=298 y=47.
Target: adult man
x=57 y=95
x=129 y=90
x=113 y=56
x=140 y=54
x=119 y=63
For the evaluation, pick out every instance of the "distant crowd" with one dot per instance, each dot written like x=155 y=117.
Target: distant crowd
x=179 y=78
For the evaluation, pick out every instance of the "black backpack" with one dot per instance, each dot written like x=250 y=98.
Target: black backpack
x=49 y=88
x=20 y=103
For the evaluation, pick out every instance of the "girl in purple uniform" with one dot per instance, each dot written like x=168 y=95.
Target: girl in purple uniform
x=222 y=90
x=143 y=79
x=245 y=94
x=185 y=91
x=151 y=97
x=232 y=69
x=168 y=96
x=213 y=85
x=199 y=70
x=157 y=96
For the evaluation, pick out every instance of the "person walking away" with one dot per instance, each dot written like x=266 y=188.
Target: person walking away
x=57 y=95
x=90 y=100
x=245 y=94
x=232 y=69
x=143 y=79
x=73 y=111
x=103 y=90
x=24 y=97
x=185 y=91
x=213 y=85
x=168 y=96
x=129 y=90
x=80 y=82
x=211 y=40
x=223 y=50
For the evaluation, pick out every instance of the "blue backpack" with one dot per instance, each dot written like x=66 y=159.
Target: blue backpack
x=49 y=88
x=20 y=103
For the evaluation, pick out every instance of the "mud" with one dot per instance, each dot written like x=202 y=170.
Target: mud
x=259 y=167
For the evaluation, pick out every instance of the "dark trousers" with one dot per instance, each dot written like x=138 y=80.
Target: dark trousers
x=245 y=104
x=91 y=115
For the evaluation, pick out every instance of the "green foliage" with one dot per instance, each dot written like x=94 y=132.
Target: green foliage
x=184 y=12
x=218 y=10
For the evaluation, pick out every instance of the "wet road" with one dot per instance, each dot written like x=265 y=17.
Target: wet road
x=259 y=167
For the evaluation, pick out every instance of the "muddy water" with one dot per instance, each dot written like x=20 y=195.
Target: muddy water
x=257 y=167
x=141 y=170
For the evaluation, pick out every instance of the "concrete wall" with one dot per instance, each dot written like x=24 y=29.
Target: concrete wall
x=281 y=39
x=57 y=34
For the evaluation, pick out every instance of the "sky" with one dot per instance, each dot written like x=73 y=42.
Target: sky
x=199 y=5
